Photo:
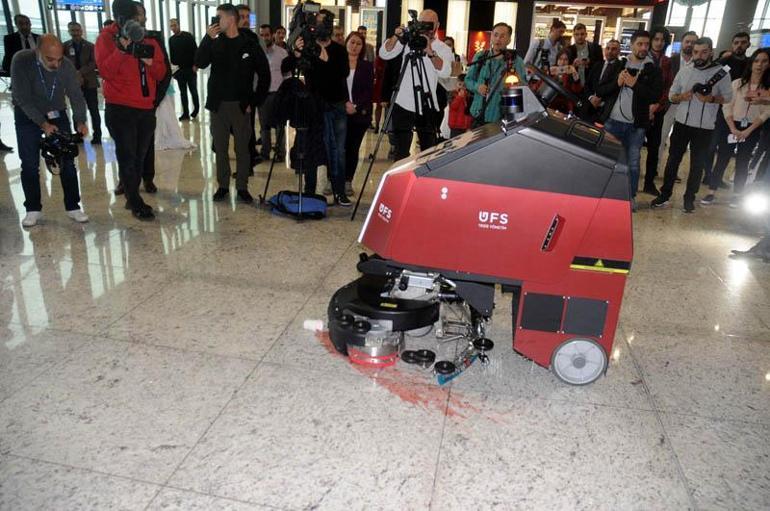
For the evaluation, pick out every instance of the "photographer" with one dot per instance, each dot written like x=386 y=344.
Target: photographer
x=235 y=63
x=485 y=79
x=326 y=68
x=41 y=80
x=542 y=52
x=437 y=61
x=699 y=91
x=131 y=67
x=629 y=88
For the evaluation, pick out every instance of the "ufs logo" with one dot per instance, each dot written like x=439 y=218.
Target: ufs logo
x=493 y=220
x=384 y=212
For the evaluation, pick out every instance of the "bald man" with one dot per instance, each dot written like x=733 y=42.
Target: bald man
x=437 y=60
x=42 y=78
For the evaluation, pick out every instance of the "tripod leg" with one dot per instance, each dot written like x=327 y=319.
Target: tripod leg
x=386 y=122
x=263 y=197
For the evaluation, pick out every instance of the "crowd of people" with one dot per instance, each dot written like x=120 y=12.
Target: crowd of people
x=715 y=104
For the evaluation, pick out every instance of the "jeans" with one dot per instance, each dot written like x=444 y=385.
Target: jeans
x=92 y=101
x=726 y=151
x=335 y=130
x=28 y=138
x=132 y=129
x=632 y=139
x=355 y=135
x=229 y=118
x=186 y=78
x=404 y=122
x=654 y=135
x=698 y=139
x=266 y=117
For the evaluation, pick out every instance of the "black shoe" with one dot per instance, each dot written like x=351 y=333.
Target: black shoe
x=96 y=140
x=194 y=114
x=150 y=187
x=259 y=141
x=659 y=202
x=4 y=148
x=120 y=189
x=651 y=190
x=342 y=200
x=689 y=206
x=184 y=117
x=143 y=212
x=245 y=196
x=220 y=195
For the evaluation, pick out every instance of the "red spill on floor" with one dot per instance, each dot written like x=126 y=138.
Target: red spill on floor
x=409 y=388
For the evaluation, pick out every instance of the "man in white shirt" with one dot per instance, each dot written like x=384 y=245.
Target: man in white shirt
x=437 y=62
x=549 y=48
x=275 y=55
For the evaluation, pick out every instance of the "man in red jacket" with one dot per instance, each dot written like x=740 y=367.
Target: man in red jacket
x=130 y=83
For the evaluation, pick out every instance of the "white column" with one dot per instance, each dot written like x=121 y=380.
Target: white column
x=505 y=12
x=457 y=24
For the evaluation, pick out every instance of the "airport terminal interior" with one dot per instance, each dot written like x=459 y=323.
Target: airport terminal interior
x=185 y=363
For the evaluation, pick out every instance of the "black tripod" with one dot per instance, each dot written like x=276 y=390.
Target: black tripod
x=423 y=96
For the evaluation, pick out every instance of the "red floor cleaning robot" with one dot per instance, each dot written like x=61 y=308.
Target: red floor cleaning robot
x=539 y=207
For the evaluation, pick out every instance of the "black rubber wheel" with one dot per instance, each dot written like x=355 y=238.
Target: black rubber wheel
x=483 y=344
x=444 y=367
x=425 y=358
x=346 y=320
x=362 y=327
x=409 y=357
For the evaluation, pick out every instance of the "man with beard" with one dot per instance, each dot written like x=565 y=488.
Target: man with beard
x=584 y=54
x=263 y=76
x=736 y=57
x=81 y=53
x=660 y=38
x=629 y=89
x=678 y=61
x=695 y=119
x=275 y=57
x=596 y=75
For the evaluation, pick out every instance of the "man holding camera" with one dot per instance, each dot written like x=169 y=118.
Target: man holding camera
x=41 y=79
x=437 y=61
x=698 y=91
x=131 y=67
x=629 y=88
x=235 y=64
x=542 y=53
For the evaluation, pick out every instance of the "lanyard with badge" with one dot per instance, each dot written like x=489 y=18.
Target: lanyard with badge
x=52 y=114
x=743 y=123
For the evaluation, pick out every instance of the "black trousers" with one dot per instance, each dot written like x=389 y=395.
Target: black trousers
x=132 y=129
x=698 y=139
x=726 y=151
x=148 y=171
x=653 y=134
x=404 y=122
x=353 y=138
x=92 y=102
x=718 y=139
x=187 y=79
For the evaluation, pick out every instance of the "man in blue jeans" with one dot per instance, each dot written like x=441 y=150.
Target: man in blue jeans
x=630 y=87
x=41 y=79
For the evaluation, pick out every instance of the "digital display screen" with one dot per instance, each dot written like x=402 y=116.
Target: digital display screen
x=79 y=5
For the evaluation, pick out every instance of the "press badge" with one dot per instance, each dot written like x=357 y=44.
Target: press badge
x=52 y=115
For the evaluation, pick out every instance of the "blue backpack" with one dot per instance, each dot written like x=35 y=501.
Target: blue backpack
x=287 y=203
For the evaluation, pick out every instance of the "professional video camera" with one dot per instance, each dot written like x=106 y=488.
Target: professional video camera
x=56 y=147
x=124 y=12
x=412 y=34
x=545 y=59
x=305 y=24
x=704 y=89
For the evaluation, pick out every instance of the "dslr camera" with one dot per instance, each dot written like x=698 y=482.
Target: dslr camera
x=705 y=89
x=56 y=147
x=545 y=59
x=412 y=34
x=305 y=23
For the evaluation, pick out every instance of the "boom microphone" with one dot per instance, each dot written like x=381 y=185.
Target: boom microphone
x=133 y=30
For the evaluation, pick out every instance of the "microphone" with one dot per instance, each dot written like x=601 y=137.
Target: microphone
x=133 y=30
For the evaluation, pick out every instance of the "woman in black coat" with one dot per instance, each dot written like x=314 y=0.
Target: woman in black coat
x=359 y=105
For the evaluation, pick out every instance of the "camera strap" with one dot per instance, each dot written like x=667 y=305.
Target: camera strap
x=718 y=75
x=49 y=95
x=143 y=79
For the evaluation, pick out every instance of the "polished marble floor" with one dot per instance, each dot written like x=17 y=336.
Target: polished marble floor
x=166 y=365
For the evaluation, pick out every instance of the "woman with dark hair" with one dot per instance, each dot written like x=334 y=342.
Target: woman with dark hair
x=358 y=107
x=569 y=77
x=744 y=115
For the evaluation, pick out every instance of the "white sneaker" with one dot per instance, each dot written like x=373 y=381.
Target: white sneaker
x=78 y=216
x=32 y=218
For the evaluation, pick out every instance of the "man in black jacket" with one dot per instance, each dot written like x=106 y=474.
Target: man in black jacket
x=584 y=54
x=234 y=60
x=22 y=39
x=182 y=48
x=244 y=27
x=593 y=107
x=629 y=88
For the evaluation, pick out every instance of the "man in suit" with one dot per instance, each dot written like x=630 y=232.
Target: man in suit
x=182 y=48
x=81 y=53
x=584 y=54
x=595 y=75
x=22 y=39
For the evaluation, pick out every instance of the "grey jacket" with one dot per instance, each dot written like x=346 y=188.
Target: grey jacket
x=87 y=62
x=696 y=113
x=32 y=96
